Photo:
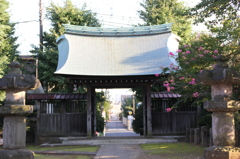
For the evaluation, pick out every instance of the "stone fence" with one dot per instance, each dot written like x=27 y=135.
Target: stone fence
x=203 y=136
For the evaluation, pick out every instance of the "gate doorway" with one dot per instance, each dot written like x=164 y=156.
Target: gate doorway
x=122 y=102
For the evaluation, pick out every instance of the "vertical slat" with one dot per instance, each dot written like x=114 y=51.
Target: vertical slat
x=174 y=126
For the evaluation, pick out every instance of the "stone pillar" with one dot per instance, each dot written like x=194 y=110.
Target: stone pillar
x=204 y=136
x=192 y=135
x=221 y=79
x=14 y=127
x=197 y=138
x=223 y=129
x=187 y=137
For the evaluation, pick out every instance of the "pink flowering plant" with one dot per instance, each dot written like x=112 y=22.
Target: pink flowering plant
x=192 y=59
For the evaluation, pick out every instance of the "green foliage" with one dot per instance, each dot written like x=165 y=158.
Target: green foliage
x=127 y=106
x=137 y=124
x=237 y=125
x=171 y=11
x=100 y=121
x=102 y=104
x=48 y=58
x=8 y=48
x=100 y=99
x=221 y=10
x=200 y=53
x=206 y=119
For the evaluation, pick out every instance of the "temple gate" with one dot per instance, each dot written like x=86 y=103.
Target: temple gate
x=115 y=58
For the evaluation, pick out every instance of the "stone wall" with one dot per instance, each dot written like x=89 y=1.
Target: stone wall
x=203 y=136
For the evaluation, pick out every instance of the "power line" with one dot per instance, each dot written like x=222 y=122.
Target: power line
x=119 y=17
x=27 y=21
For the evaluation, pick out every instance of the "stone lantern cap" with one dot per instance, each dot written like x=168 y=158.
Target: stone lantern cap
x=221 y=74
x=16 y=110
x=222 y=106
x=14 y=80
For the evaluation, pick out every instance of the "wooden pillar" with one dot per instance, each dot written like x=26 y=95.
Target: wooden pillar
x=94 y=119
x=38 y=118
x=144 y=112
x=89 y=111
x=149 y=113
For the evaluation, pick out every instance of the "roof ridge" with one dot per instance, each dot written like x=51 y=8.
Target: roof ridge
x=104 y=31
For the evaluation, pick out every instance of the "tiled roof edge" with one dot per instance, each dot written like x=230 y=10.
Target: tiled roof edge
x=101 y=31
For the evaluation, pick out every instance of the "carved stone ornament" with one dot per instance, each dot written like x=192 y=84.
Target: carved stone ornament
x=222 y=106
x=14 y=80
x=16 y=110
x=221 y=74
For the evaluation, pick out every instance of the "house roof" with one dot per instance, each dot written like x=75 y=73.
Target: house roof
x=165 y=94
x=94 y=51
x=62 y=96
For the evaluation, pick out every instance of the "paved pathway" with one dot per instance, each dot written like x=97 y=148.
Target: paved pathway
x=119 y=151
x=116 y=128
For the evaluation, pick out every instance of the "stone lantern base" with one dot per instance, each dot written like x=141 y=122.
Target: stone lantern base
x=16 y=154
x=221 y=152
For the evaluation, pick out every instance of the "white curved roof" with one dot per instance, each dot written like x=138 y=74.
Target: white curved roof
x=96 y=51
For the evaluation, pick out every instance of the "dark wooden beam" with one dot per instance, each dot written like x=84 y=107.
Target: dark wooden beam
x=148 y=107
x=89 y=111
x=144 y=112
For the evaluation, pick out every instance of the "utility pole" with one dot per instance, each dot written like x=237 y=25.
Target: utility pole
x=40 y=33
x=41 y=24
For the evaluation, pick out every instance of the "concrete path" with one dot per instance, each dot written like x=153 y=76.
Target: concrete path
x=115 y=128
x=120 y=152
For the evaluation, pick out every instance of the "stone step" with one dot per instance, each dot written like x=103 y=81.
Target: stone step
x=116 y=141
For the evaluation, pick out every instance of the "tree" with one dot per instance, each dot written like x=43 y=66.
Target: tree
x=222 y=17
x=127 y=106
x=48 y=58
x=8 y=48
x=199 y=54
x=137 y=124
x=167 y=11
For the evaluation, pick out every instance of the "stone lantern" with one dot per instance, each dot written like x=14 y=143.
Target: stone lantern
x=221 y=79
x=14 y=129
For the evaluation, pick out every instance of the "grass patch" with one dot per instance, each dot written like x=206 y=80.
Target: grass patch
x=64 y=148
x=174 y=150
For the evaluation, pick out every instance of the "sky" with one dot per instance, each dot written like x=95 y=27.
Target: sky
x=112 y=13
